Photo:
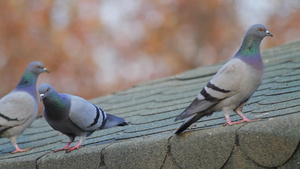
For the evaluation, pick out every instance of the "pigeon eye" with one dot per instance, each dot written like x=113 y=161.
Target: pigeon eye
x=260 y=29
x=48 y=90
x=38 y=67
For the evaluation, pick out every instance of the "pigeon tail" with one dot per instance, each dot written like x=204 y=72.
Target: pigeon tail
x=112 y=121
x=189 y=122
x=198 y=106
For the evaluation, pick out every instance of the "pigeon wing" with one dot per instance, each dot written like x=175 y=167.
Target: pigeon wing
x=86 y=115
x=223 y=85
x=16 y=108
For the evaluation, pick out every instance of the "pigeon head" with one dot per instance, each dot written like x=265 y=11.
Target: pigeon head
x=251 y=43
x=29 y=78
x=258 y=31
x=37 y=68
x=249 y=51
x=45 y=91
x=53 y=102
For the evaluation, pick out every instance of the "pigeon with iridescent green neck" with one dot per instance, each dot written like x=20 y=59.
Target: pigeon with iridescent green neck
x=233 y=85
x=74 y=116
x=19 y=108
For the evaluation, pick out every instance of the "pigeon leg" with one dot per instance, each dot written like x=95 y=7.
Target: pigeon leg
x=226 y=113
x=67 y=145
x=14 y=143
x=238 y=111
x=18 y=150
x=230 y=123
x=77 y=146
x=245 y=119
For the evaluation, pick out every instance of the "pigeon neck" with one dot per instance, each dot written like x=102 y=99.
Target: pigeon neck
x=250 y=47
x=28 y=84
x=249 y=52
x=56 y=105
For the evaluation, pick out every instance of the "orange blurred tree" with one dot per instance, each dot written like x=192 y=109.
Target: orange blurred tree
x=96 y=47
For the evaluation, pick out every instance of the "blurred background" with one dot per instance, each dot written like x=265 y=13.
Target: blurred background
x=95 y=47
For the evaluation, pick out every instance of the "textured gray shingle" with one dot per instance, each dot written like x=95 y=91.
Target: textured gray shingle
x=151 y=107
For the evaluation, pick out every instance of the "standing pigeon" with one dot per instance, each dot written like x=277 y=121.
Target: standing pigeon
x=19 y=108
x=74 y=116
x=233 y=84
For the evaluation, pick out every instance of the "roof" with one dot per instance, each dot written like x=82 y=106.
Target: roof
x=149 y=140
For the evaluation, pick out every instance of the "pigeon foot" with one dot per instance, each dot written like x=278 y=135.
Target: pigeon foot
x=18 y=150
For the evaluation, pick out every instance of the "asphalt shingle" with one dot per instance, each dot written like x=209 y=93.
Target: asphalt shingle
x=151 y=107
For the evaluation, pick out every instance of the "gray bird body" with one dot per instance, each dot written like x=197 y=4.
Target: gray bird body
x=18 y=112
x=74 y=116
x=232 y=85
x=75 y=120
x=239 y=84
x=19 y=108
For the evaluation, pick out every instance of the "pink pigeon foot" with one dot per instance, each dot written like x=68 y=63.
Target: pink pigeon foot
x=65 y=147
x=77 y=146
x=18 y=150
x=230 y=123
x=73 y=148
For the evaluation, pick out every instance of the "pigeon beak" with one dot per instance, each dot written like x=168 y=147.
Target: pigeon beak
x=46 y=70
x=269 y=33
x=42 y=96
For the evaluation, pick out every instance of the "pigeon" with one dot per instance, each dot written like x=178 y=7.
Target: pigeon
x=19 y=108
x=233 y=84
x=74 y=116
